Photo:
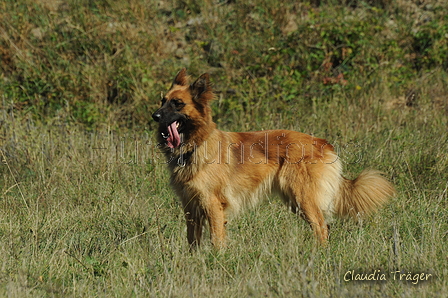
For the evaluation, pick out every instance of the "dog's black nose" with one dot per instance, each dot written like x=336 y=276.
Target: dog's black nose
x=156 y=116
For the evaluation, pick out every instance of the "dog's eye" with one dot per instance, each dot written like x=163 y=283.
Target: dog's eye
x=178 y=104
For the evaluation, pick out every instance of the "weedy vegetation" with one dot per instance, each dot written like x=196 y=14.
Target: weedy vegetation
x=85 y=205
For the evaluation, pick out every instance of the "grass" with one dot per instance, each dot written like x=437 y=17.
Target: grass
x=90 y=213
x=85 y=205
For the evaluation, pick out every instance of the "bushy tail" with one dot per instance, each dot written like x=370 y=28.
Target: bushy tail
x=362 y=195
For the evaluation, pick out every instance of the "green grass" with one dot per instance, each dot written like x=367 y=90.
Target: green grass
x=85 y=205
x=90 y=213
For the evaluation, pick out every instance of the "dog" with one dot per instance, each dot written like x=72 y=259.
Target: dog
x=216 y=174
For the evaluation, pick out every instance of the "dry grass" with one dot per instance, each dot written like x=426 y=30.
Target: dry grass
x=90 y=213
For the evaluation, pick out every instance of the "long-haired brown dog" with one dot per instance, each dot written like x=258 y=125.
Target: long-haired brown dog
x=217 y=173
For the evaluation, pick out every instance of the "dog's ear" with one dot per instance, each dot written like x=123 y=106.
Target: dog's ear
x=201 y=89
x=181 y=78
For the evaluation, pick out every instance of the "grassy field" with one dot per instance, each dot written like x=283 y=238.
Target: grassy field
x=85 y=205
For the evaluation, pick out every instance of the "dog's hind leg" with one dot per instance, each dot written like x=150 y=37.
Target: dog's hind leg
x=302 y=199
x=311 y=212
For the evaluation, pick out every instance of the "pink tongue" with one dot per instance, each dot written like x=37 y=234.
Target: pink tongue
x=174 y=138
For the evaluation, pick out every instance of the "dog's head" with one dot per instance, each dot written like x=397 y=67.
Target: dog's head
x=184 y=108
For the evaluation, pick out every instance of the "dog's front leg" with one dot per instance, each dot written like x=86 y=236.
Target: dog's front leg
x=216 y=218
x=195 y=222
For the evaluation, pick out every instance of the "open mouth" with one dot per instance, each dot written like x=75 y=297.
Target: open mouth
x=173 y=137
